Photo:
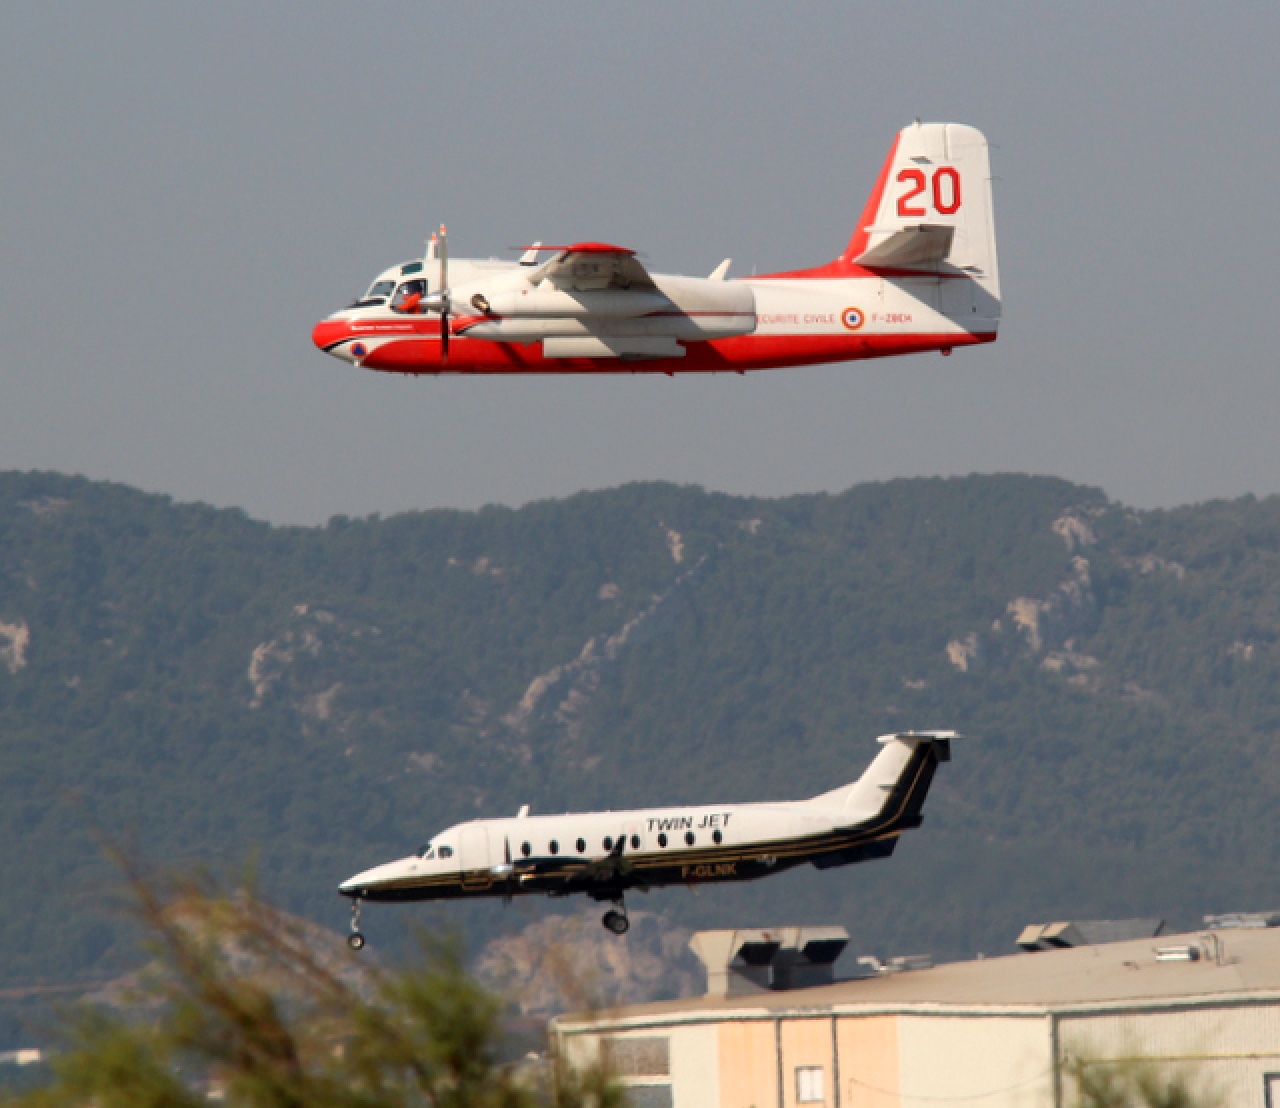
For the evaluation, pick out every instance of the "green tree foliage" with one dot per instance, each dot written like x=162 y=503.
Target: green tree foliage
x=1135 y=1083
x=242 y=1004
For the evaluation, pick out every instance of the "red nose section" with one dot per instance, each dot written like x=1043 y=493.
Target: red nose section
x=328 y=332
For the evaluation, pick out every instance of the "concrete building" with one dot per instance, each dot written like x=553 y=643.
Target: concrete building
x=995 y=1033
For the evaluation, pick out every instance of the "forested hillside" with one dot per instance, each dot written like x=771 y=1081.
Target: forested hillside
x=212 y=690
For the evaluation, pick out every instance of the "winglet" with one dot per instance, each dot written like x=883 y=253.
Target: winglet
x=721 y=271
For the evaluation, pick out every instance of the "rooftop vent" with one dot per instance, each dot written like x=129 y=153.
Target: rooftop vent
x=1231 y=921
x=1088 y=932
x=901 y=964
x=754 y=960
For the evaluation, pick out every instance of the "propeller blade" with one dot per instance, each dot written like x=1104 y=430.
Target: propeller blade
x=444 y=295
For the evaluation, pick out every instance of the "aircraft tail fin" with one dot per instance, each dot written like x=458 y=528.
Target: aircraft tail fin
x=893 y=788
x=931 y=210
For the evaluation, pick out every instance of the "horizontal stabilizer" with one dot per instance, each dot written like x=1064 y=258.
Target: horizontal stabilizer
x=923 y=247
x=862 y=852
x=920 y=737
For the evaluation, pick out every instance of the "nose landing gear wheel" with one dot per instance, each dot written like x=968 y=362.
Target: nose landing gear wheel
x=616 y=922
x=355 y=940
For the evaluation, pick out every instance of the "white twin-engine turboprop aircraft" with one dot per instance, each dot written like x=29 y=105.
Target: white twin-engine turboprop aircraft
x=919 y=273
x=603 y=854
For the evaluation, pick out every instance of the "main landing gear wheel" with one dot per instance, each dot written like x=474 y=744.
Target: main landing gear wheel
x=355 y=940
x=616 y=921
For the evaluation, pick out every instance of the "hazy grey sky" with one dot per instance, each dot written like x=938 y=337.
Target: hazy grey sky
x=186 y=188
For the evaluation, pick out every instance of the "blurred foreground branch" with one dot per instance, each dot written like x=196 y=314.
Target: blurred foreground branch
x=1135 y=1083
x=250 y=1007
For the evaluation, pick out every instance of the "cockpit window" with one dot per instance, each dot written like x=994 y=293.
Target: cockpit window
x=380 y=288
x=446 y=852
x=408 y=297
x=427 y=851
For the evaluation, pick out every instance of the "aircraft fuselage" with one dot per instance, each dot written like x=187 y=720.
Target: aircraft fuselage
x=604 y=854
x=791 y=321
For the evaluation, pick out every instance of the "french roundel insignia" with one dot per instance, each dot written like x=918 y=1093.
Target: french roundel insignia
x=852 y=318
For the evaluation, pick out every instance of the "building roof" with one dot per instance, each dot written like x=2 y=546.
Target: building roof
x=1245 y=964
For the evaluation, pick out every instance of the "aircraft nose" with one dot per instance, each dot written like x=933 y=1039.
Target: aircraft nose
x=362 y=882
x=328 y=332
x=352 y=886
x=370 y=880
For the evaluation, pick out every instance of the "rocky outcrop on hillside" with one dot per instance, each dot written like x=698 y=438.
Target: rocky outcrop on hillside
x=570 y=963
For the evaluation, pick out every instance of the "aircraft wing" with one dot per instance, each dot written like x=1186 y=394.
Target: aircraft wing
x=593 y=265
x=607 y=869
x=922 y=247
x=589 y=870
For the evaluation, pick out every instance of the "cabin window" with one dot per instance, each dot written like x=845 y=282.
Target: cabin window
x=635 y=842
x=526 y=849
x=554 y=846
x=582 y=846
x=716 y=837
x=688 y=837
x=446 y=852
x=608 y=843
x=662 y=839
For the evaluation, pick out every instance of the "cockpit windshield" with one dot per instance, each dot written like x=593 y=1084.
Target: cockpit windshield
x=428 y=851
x=375 y=297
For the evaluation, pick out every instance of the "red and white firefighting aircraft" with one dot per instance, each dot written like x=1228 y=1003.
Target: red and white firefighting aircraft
x=918 y=274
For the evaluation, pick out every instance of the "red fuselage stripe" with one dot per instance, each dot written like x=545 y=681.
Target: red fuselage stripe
x=421 y=354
